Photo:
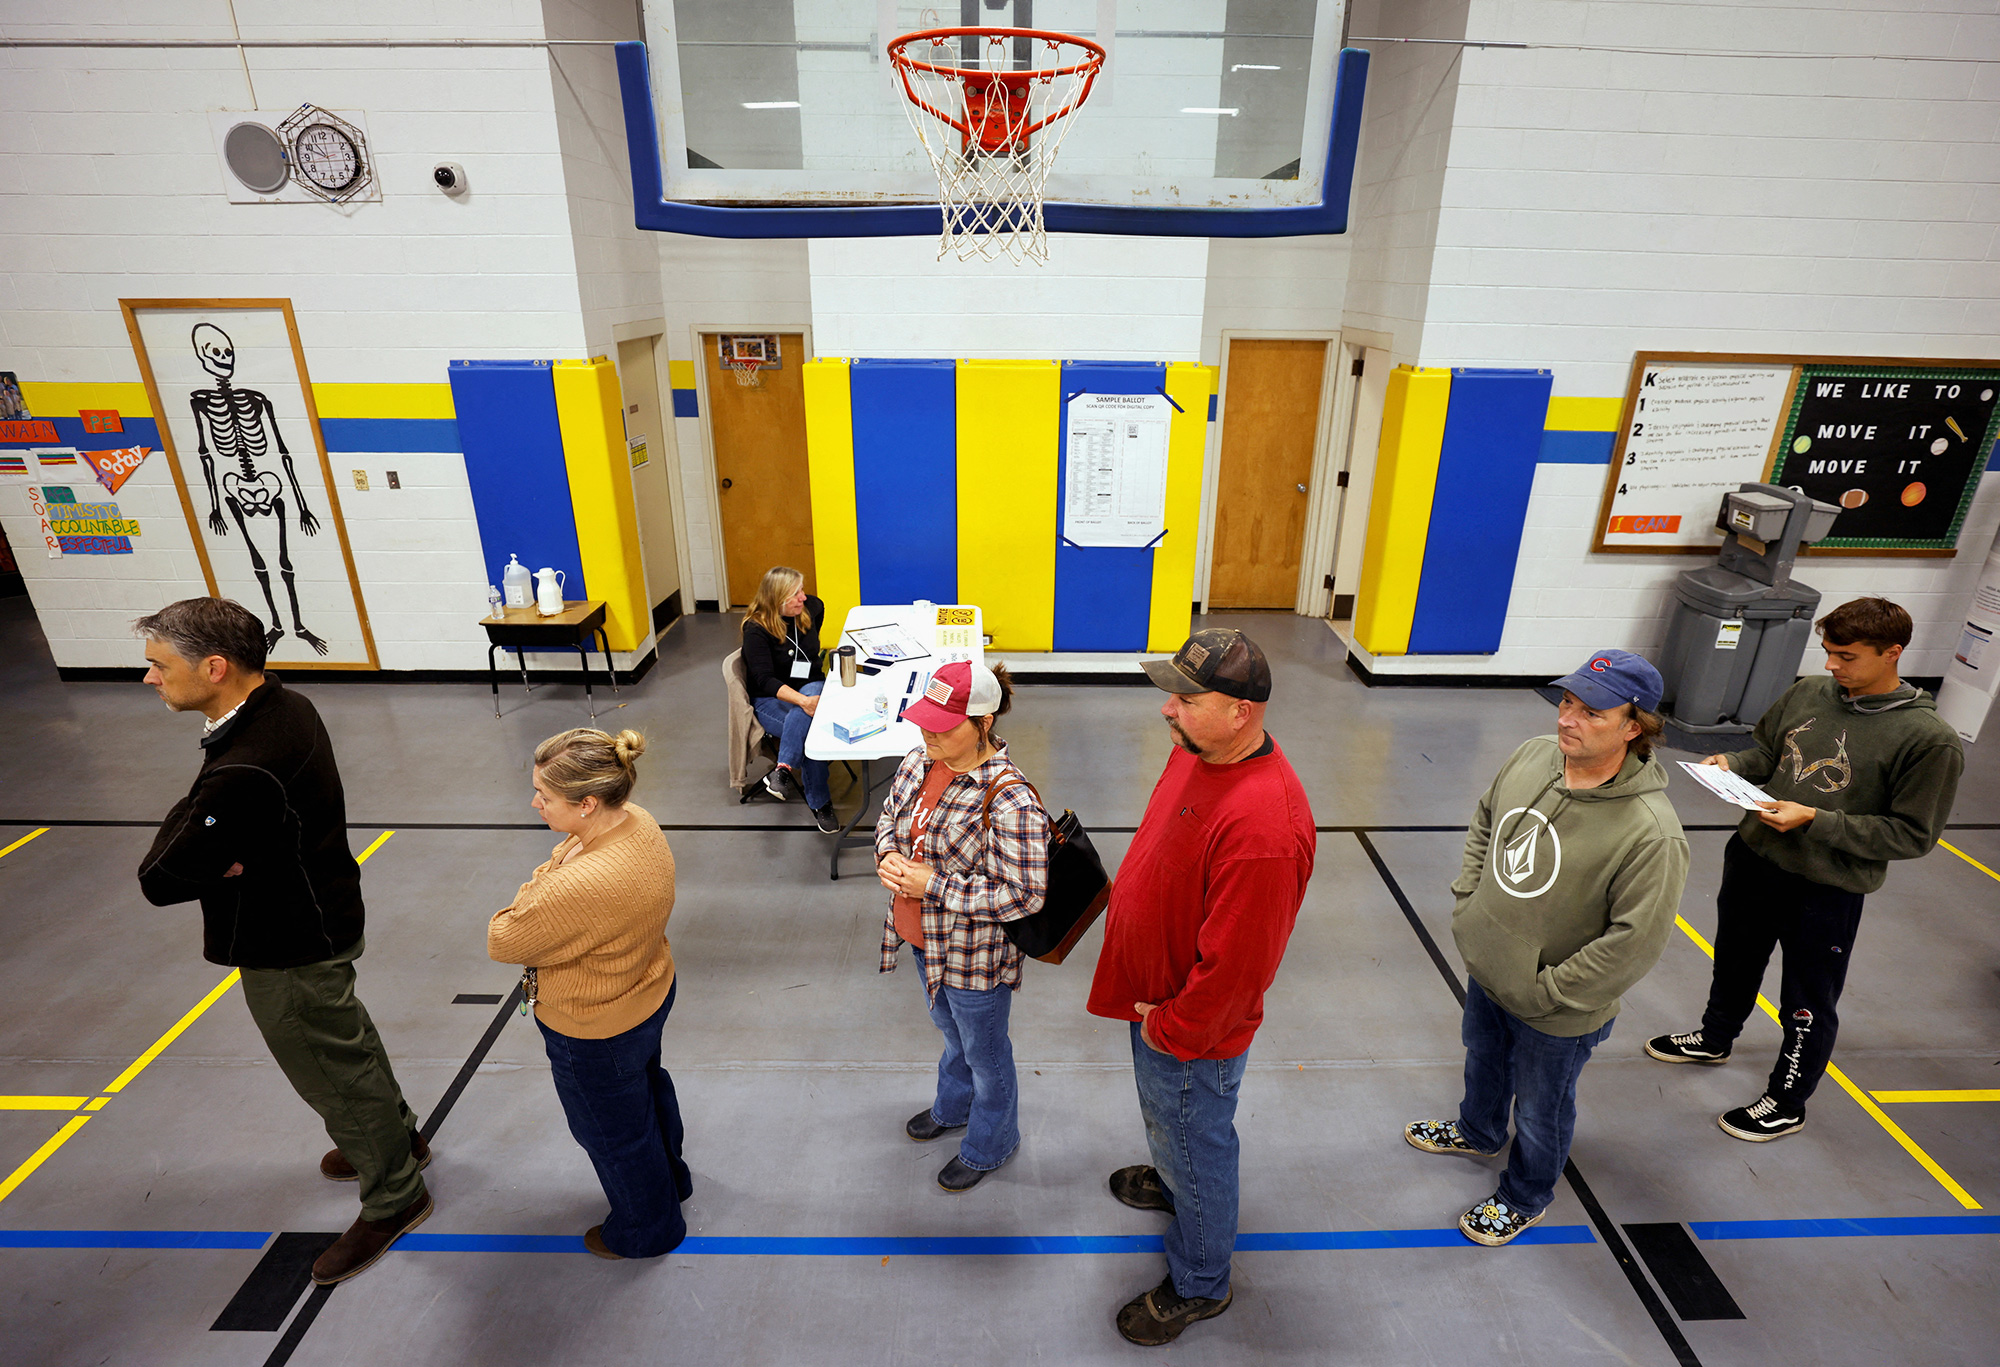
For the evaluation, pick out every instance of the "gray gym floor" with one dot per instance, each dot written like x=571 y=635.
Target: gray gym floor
x=818 y=1234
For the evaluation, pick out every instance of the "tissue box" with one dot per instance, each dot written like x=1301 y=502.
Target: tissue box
x=861 y=728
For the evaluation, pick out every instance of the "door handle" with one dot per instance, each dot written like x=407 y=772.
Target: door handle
x=1302 y=488
x=726 y=483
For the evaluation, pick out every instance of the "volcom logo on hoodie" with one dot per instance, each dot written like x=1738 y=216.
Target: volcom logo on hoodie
x=1835 y=772
x=1523 y=848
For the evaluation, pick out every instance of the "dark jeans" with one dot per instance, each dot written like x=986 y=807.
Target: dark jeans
x=788 y=722
x=1761 y=907
x=622 y=1110
x=976 y=1086
x=322 y=1037
x=1509 y=1062
x=1190 y=1114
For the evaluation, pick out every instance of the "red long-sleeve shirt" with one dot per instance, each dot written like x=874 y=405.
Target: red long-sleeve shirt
x=1205 y=901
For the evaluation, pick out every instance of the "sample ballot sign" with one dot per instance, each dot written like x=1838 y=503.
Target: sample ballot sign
x=1115 y=474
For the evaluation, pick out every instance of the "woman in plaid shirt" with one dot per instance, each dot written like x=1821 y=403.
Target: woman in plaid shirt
x=959 y=865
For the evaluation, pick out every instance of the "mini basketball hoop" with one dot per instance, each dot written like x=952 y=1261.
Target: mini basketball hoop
x=991 y=107
x=744 y=355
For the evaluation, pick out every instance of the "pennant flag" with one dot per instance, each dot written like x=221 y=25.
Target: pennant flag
x=113 y=468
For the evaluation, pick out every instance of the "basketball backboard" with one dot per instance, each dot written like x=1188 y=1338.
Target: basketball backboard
x=1203 y=106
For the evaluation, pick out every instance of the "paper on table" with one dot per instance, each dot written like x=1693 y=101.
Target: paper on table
x=1729 y=787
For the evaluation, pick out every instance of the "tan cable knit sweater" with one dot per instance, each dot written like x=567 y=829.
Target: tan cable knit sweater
x=595 y=930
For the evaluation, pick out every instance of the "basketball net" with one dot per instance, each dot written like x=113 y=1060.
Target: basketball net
x=991 y=108
x=745 y=372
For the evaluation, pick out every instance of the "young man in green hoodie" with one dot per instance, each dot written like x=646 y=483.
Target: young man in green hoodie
x=1862 y=771
x=1574 y=867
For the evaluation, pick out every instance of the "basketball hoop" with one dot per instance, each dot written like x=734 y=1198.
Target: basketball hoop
x=991 y=110
x=743 y=355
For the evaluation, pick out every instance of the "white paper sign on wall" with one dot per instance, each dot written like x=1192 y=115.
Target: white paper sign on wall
x=1115 y=474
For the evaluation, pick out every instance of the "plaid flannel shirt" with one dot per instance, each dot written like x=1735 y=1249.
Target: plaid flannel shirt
x=981 y=877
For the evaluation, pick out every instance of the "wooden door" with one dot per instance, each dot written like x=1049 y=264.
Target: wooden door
x=650 y=446
x=762 y=487
x=1270 y=425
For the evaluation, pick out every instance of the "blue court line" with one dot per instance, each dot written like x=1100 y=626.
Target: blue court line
x=1895 y=1225
x=1304 y=1241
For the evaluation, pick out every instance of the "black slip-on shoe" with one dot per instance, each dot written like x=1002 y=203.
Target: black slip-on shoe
x=1159 y=1316
x=956 y=1177
x=923 y=1128
x=1140 y=1187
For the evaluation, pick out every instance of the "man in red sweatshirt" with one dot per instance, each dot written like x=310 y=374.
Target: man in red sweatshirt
x=1203 y=907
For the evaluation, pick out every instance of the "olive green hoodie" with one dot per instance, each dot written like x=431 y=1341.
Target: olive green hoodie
x=1567 y=895
x=1881 y=771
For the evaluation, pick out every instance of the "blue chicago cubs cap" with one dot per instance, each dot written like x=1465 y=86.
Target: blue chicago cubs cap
x=1612 y=677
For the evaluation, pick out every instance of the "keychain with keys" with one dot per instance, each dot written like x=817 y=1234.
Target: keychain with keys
x=529 y=985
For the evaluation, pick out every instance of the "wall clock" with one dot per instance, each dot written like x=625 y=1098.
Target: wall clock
x=329 y=155
x=307 y=155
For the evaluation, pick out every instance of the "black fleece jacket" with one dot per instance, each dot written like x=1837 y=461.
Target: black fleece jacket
x=767 y=659
x=268 y=797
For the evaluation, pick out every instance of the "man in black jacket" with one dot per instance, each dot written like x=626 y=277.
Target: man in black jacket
x=261 y=841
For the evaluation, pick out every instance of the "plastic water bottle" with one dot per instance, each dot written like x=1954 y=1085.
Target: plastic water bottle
x=493 y=601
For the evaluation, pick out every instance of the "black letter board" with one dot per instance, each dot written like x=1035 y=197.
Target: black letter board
x=1899 y=450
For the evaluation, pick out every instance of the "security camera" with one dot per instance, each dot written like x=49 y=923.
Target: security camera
x=450 y=177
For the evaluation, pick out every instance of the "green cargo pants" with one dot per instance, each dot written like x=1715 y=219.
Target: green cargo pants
x=321 y=1035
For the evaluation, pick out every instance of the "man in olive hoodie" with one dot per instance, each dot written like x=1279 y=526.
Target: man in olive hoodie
x=1861 y=771
x=1574 y=867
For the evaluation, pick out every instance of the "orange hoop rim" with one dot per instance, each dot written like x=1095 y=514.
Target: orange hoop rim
x=1086 y=70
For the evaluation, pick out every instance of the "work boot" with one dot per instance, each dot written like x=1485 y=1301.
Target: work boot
x=1159 y=1316
x=1140 y=1187
x=334 y=1167
x=367 y=1240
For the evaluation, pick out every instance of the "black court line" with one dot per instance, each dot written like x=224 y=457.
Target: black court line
x=1677 y=1343
x=476 y=999
x=261 y=1289
x=1683 y=1273
x=273 y=1288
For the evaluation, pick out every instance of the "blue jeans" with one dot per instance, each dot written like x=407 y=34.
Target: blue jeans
x=976 y=1086
x=1190 y=1112
x=789 y=723
x=622 y=1110
x=1507 y=1062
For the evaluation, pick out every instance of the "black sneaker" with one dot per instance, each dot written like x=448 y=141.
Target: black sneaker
x=1440 y=1136
x=1761 y=1121
x=1494 y=1222
x=774 y=784
x=1159 y=1316
x=824 y=818
x=1686 y=1048
x=1140 y=1187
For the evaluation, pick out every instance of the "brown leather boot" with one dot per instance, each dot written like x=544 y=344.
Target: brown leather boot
x=366 y=1240
x=334 y=1167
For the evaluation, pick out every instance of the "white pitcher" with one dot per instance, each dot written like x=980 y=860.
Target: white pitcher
x=548 y=592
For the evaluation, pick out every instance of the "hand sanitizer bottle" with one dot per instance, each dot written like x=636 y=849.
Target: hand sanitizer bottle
x=518 y=583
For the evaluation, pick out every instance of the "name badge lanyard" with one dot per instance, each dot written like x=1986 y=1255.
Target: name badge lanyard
x=801 y=667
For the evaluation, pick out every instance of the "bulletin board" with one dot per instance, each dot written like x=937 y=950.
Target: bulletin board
x=1897 y=443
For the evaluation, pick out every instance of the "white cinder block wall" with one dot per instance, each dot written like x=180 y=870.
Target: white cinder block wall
x=1597 y=204
x=113 y=190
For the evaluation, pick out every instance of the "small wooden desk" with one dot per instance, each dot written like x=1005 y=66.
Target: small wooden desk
x=519 y=629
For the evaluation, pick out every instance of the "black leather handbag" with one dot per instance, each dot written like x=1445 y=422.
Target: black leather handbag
x=1078 y=887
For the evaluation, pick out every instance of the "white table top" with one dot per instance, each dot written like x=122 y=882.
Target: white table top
x=897 y=682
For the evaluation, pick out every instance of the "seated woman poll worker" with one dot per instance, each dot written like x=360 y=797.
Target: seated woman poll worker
x=963 y=844
x=781 y=667
x=589 y=926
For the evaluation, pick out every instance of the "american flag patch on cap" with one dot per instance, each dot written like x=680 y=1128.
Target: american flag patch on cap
x=939 y=692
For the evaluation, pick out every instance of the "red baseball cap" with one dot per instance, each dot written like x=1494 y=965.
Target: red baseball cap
x=956 y=691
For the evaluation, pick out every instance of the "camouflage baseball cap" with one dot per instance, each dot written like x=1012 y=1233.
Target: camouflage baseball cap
x=1219 y=659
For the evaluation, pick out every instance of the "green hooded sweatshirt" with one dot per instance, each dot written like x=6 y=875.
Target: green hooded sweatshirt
x=1881 y=770
x=1567 y=895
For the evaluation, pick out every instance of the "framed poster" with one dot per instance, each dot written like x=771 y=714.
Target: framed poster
x=1897 y=443
x=227 y=379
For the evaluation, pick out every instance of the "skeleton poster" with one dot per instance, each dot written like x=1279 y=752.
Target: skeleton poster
x=228 y=383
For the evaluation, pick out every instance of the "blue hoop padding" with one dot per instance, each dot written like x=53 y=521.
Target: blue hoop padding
x=655 y=212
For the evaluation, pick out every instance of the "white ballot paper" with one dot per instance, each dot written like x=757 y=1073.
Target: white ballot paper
x=1729 y=787
x=1115 y=477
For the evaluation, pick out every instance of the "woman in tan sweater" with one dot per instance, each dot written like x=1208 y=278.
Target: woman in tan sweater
x=590 y=928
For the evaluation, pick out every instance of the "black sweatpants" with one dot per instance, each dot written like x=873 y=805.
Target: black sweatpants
x=1761 y=907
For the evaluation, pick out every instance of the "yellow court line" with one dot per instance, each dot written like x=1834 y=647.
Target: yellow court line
x=45 y=830
x=1946 y=843
x=160 y=1044
x=380 y=841
x=41 y=1103
x=40 y=1156
x=1910 y=1146
x=1973 y=1094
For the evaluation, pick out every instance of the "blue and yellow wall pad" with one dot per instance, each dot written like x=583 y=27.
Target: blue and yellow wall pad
x=943 y=480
